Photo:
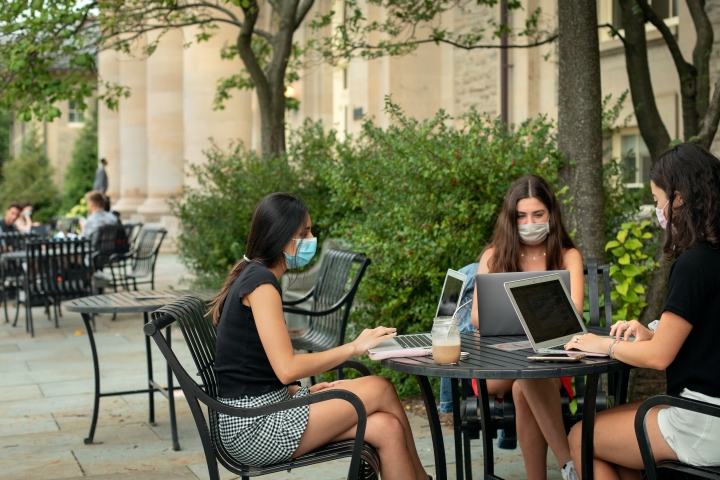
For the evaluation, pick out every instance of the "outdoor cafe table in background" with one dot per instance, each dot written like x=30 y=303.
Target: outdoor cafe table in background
x=145 y=302
x=486 y=362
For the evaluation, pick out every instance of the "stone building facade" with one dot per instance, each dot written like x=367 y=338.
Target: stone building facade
x=168 y=121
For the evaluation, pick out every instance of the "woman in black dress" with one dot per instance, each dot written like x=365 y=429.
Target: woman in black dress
x=256 y=365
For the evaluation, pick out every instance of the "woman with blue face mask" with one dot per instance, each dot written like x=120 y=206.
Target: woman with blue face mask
x=256 y=365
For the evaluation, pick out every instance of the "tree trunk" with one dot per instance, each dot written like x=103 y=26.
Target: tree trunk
x=651 y=126
x=580 y=122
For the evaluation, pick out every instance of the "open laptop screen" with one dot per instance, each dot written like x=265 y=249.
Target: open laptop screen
x=547 y=311
x=452 y=290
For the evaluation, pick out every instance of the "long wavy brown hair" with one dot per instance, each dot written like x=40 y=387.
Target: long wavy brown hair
x=506 y=239
x=691 y=170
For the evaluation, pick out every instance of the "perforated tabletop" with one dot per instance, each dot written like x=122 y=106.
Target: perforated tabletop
x=132 y=302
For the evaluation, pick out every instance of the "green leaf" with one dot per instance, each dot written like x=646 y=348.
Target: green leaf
x=622 y=289
x=639 y=289
x=622 y=236
x=646 y=235
x=631 y=271
x=624 y=260
x=614 y=269
x=611 y=244
x=618 y=252
x=633 y=244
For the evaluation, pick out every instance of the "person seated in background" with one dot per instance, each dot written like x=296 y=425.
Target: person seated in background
x=97 y=216
x=24 y=221
x=530 y=236
x=685 y=184
x=7 y=224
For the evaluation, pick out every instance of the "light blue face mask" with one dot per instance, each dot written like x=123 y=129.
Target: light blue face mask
x=306 y=248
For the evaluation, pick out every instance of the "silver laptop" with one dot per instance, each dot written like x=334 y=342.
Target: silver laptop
x=449 y=301
x=495 y=311
x=547 y=313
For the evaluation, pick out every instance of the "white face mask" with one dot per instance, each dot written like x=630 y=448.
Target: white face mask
x=533 y=233
x=660 y=212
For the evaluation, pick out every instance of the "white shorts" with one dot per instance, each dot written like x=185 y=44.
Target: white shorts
x=694 y=437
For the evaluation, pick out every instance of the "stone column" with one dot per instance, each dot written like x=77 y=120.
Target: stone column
x=109 y=123
x=133 y=134
x=202 y=68
x=164 y=124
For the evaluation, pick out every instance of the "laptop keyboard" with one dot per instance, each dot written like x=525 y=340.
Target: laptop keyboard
x=414 y=341
x=556 y=347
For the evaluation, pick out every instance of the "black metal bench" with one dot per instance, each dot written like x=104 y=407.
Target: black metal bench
x=671 y=468
x=338 y=280
x=200 y=335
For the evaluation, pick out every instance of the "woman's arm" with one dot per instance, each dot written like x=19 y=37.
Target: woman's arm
x=482 y=268
x=266 y=305
x=656 y=353
x=574 y=263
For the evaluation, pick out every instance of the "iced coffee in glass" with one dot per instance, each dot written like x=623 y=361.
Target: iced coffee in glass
x=445 y=340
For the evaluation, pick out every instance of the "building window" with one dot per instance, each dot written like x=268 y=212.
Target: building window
x=75 y=115
x=636 y=159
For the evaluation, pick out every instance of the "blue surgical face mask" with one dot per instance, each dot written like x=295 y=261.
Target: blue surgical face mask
x=306 y=248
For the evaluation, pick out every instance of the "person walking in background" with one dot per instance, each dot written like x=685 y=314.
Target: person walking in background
x=97 y=216
x=101 y=180
x=7 y=224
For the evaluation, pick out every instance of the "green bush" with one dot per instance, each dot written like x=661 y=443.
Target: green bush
x=216 y=214
x=80 y=172
x=28 y=178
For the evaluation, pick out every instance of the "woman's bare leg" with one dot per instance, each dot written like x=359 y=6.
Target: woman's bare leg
x=617 y=454
x=389 y=432
x=499 y=387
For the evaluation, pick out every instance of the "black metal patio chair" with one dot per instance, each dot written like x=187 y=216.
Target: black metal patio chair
x=671 y=468
x=10 y=271
x=132 y=230
x=332 y=296
x=189 y=313
x=110 y=240
x=54 y=270
x=617 y=384
x=136 y=267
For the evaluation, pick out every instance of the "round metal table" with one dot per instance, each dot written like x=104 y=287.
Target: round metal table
x=487 y=362
x=145 y=302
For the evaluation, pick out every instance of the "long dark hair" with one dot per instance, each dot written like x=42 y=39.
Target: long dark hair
x=691 y=170
x=276 y=220
x=506 y=239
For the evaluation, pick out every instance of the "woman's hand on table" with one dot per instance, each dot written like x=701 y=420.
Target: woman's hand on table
x=590 y=343
x=371 y=338
x=623 y=329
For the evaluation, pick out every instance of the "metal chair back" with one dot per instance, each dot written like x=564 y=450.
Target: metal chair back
x=55 y=270
x=132 y=230
x=14 y=241
x=146 y=252
x=200 y=336
x=592 y=271
x=111 y=239
x=338 y=280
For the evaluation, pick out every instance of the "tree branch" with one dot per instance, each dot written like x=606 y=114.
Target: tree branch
x=244 y=46
x=614 y=31
x=686 y=72
x=701 y=55
x=710 y=122
x=303 y=9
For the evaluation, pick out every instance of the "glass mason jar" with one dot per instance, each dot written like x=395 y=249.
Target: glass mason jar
x=445 y=340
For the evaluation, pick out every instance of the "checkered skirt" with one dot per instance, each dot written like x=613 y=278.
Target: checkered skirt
x=267 y=439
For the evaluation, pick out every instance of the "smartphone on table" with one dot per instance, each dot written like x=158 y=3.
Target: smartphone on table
x=557 y=357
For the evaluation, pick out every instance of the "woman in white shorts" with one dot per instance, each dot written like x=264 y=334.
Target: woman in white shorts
x=685 y=183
